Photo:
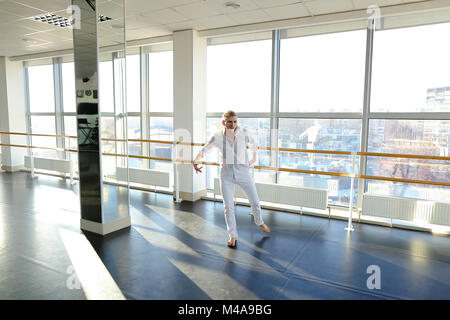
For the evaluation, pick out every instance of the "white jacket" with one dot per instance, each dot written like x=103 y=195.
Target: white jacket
x=231 y=154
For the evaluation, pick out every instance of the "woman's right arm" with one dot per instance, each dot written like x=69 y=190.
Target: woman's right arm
x=196 y=161
x=206 y=149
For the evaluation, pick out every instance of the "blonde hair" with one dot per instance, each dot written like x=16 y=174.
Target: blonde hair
x=228 y=113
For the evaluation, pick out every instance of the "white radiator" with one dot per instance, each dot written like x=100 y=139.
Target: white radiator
x=414 y=210
x=145 y=176
x=441 y=214
x=58 y=165
x=275 y=193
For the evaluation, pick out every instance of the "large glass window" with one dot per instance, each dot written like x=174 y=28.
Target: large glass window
x=319 y=73
x=323 y=73
x=160 y=81
x=213 y=125
x=319 y=134
x=70 y=127
x=161 y=128
x=134 y=147
x=411 y=70
x=106 y=87
x=108 y=131
x=133 y=83
x=41 y=88
x=43 y=125
x=239 y=76
x=68 y=86
x=419 y=137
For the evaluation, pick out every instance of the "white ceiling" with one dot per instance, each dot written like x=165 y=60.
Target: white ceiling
x=151 y=18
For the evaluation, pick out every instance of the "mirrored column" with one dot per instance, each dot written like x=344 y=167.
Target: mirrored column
x=104 y=207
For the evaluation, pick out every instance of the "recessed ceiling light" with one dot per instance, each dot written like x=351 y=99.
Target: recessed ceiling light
x=233 y=5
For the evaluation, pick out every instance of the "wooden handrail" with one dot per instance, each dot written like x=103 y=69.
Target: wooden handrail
x=153 y=141
x=136 y=156
x=305 y=150
x=410 y=156
x=370 y=154
x=338 y=174
x=18 y=133
x=38 y=135
x=112 y=139
x=434 y=183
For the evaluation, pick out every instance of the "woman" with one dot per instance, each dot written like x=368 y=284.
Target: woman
x=232 y=142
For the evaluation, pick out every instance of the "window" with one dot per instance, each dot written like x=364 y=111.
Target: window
x=318 y=74
x=70 y=127
x=134 y=148
x=68 y=85
x=40 y=79
x=43 y=125
x=212 y=126
x=133 y=83
x=106 y=88
x=420 y=137
x=108 y=131
x=259 y=128
x=319 y=134
x=411 y=70
x=160 y=81
x=239 y=76
x=323 y=73
x=161 y=128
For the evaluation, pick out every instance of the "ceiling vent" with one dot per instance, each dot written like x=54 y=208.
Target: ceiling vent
x=62 y=22
x=54 y=20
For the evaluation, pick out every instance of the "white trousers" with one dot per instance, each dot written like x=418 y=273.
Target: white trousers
x=240 y=175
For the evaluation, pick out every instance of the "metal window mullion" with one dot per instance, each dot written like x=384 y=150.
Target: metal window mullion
x=321 y=115
x=27 y=108
x=48 y=114
x=144 y=116
x=410 y=115
x=166 y=114
x=113 y=57
x=59 y=120
x=69 y=114
x=219 y=114
x=275 y=92
x=366 y=110
x=134 y=114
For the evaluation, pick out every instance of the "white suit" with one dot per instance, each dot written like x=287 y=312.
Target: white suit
x=235 y=170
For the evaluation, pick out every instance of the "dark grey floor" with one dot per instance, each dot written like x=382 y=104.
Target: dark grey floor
x=178 y=251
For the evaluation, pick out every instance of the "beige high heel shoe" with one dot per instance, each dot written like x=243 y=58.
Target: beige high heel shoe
x=232 y=243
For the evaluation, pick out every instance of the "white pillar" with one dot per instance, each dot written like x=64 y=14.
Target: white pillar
x=12 y=113
x=189 y=114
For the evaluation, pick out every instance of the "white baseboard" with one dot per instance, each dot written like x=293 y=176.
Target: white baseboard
x=105 y=228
